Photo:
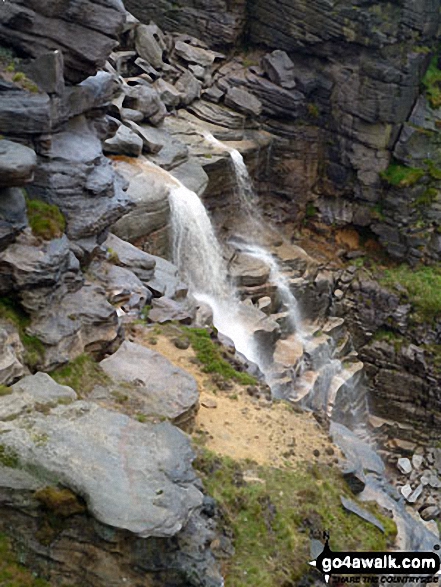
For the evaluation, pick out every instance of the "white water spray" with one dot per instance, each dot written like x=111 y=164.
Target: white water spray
x=280 y=281
x=198 y=255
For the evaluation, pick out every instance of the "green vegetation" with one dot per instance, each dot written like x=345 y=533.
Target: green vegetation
x=313 y=110
x=45 y=220
x=426 y=198
x=423 y=285
x=13 y=574
x=5 y=390
x=209 y=354
x=386 y=335
x=401 y=176
x=11 y=311
x=8 y=457
x=112 y=256
x=272 y=518
x=310 y=211
x=145 y=312
x=432 y=83
x=82 y=374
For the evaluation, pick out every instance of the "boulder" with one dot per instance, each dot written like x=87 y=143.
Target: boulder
x=162 y=389
x=13 y=208
x=243 y=101
x=84 y=34
x=147 y=45
x=126 y=255
x=123 y=287
x=193 y=54
x=405 y=466
x=189 y=88
x=279 y=68
x=75 y=175
x=124 y=142
x=133 y=476
x=167 y=310
x=47 y=72
x=17 y=164
x=152 y=141
x=145 y=99
x=151 y=207
x=168 y=93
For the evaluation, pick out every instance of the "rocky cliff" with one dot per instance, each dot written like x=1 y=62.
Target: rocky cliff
x=350 y=107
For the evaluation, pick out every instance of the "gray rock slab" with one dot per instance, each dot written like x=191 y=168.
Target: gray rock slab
x=192 y=175
x=148 y=189
x=124 y=142
x=13 y=207
x=47 y=72
x=217 y=114
x=166 y=280
x=122 y=286
x=152 y=141
x=17 y=164
x=166 y=389
x=189 y=87
x=126 y=255
x=39 y=389
x=355 y=450
x=249 y=271
x=354 y=508
x=194 y=54
x=167 y=310
x=243 y=101
x=132 y=476
x=147 y=45
x=279 y=68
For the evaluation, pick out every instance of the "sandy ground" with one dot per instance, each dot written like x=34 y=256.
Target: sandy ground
x=234 y=424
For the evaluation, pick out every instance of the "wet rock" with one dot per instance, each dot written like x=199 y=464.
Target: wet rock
x=124 y=142
x=279 y=68
x=161 y=388
x=248 y=271
x=404 y=465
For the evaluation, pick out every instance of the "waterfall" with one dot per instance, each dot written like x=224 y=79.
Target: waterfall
x=198 y=255
x=280 y=281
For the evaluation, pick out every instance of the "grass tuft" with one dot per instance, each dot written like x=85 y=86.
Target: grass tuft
x=209 y=354
x=423 y=285
x=432 y=83
x=401 y=176
x=46 y=220
x=82 y=374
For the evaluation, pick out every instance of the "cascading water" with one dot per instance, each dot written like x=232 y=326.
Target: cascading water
x=198 y=255
x=280 y=281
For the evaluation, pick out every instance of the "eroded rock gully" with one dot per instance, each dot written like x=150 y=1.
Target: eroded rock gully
x=106 y=115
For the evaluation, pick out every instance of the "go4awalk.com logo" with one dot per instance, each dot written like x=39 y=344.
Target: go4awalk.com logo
x=378 y=567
